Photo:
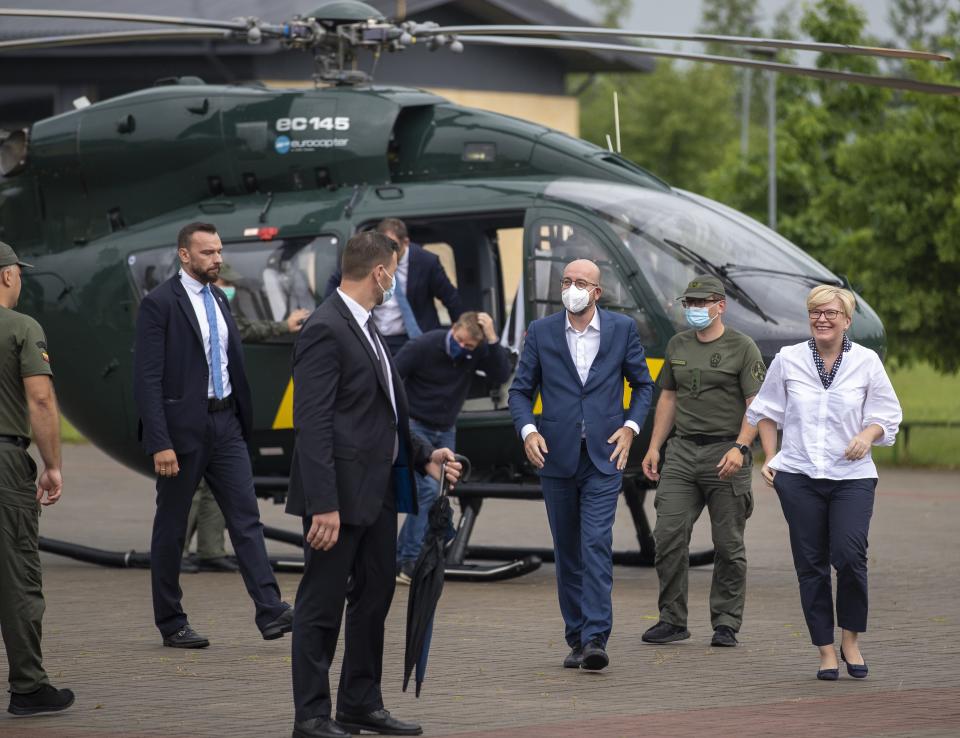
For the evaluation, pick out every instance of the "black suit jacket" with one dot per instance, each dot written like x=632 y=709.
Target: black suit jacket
x=344 y=422
x=426 y=280
x=171 y=374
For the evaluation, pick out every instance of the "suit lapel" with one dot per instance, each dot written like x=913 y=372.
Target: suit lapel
x=606 y=339
x=364 y=341
x=183 y=299
x=560 y=335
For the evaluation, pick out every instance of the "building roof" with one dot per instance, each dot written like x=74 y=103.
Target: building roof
x=533 y=12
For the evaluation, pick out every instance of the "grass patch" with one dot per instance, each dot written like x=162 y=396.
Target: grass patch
x=926 y=395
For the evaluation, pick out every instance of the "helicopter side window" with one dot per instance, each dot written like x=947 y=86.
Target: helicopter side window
x=269 y=279
x=556 y=244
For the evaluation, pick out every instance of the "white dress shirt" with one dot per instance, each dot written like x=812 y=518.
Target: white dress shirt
x=388 y=317
x=195 y=293
x=361 y=315
x=819 y=423
x=584 y=346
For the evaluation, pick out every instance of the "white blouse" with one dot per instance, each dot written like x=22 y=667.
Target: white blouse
x=819 y=423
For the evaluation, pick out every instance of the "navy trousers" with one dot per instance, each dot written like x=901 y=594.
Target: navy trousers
x=829 y=520
x=581 y=510
x=224 y=462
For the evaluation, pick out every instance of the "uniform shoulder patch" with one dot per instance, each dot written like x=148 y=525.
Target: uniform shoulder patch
x=759 y=371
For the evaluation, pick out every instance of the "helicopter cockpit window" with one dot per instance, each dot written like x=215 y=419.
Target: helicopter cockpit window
x=676 y=236
x=556 y=244
x=269 y=279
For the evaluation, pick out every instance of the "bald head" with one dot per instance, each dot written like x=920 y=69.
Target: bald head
x=583 y=269
x=580 y=288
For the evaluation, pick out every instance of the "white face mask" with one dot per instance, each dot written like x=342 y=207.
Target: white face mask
x=575 y=299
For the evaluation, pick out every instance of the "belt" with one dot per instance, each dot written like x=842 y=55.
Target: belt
x=215 y=406
x=701 y=440
x=16 y=441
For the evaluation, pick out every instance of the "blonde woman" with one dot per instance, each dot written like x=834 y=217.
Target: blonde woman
x=834 y=401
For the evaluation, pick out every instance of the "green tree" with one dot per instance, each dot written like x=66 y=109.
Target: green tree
x=911 y=21
x=613 y=13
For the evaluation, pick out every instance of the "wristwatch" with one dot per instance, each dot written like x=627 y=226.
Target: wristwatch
x=742 y=448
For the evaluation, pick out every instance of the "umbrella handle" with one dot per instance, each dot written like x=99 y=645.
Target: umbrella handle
x=467 y=468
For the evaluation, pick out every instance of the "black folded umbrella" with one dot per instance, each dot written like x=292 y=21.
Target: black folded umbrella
x=426 y=582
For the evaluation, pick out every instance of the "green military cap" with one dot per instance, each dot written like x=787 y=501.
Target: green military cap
x=229 y=274
x=8 y=257
x=703 y=285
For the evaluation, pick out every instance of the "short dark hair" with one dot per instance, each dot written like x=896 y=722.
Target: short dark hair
x=393 y=225
x=186 y=233
x=363 y=252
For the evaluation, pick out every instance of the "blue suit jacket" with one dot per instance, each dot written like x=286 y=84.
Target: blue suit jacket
x=425 y=280
x=170 y=370
x=546 y=365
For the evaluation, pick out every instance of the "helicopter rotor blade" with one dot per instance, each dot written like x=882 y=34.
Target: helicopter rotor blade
x=894 y=83
x=118 y=37
x=164 y=20
x=773 y=43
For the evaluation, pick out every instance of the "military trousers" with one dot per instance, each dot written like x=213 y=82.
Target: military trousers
x=688 y=483
x=21 y=593
x=207 y=521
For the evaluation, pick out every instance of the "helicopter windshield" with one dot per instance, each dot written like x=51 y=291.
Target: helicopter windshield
x=676 y=236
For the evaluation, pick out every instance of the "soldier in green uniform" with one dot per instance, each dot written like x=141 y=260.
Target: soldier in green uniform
x=205 y=517
x=26 y=399
x=709 y=377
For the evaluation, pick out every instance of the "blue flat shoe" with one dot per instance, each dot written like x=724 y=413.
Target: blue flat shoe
x=857 y=671
x=828 y=675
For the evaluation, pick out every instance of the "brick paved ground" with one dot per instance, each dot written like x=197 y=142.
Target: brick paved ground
x=495 y=668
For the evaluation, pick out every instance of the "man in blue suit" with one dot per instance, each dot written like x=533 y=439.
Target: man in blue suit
x=410 y=312
x=577 y=360
x=195 y=416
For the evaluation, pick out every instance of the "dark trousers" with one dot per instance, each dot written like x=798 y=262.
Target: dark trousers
x=829 y=520
x=366 y=554
x=581 y=510
x=225 y=464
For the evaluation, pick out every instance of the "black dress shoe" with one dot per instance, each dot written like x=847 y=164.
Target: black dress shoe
x=322 y=727
x=724 y=635
x=45 y=699
x=276 y=628
x=665 y=633
x=594 y=657
x=828 y=675
x=221 y=563
x=379 y=721
x=188 y=566
x=574 y=658
x=186 y=637
x=857 y=671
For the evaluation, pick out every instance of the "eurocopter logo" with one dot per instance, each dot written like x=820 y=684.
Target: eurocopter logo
x=282 y=144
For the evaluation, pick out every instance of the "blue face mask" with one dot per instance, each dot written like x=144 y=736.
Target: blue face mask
x=698 y=317
x=388 y=294
x=230 y=292
x=454 y=349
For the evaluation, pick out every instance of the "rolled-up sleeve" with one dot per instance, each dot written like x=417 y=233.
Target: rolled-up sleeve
x=771 y=401
x=881 y=406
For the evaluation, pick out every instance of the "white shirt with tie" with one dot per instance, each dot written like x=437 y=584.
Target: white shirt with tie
x=388 y=316
x=361 y=315
x=195 y=293
x=584 y=346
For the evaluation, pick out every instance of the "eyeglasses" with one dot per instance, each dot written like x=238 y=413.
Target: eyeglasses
x=695 y=302
x=581 y=284
x=828 y=314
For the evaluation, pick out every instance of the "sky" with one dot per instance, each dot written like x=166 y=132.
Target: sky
x=683 y=16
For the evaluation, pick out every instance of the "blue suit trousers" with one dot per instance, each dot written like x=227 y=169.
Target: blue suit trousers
x=581 y=511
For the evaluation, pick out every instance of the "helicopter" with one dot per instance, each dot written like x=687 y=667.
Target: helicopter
x=94 y=197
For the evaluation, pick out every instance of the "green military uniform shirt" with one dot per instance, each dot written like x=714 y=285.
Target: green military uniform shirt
x=712 y=380
x=24 y=354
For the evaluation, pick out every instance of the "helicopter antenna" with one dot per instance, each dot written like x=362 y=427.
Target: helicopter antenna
x=616 y=119
x=609 y=144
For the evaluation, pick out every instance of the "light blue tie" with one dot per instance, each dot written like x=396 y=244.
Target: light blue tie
x=409 y=321
x=211 y=309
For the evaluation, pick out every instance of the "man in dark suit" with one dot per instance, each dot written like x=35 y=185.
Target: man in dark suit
x=195 y=416
x=352 y=472
x=577 y=360
x=420 y=278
